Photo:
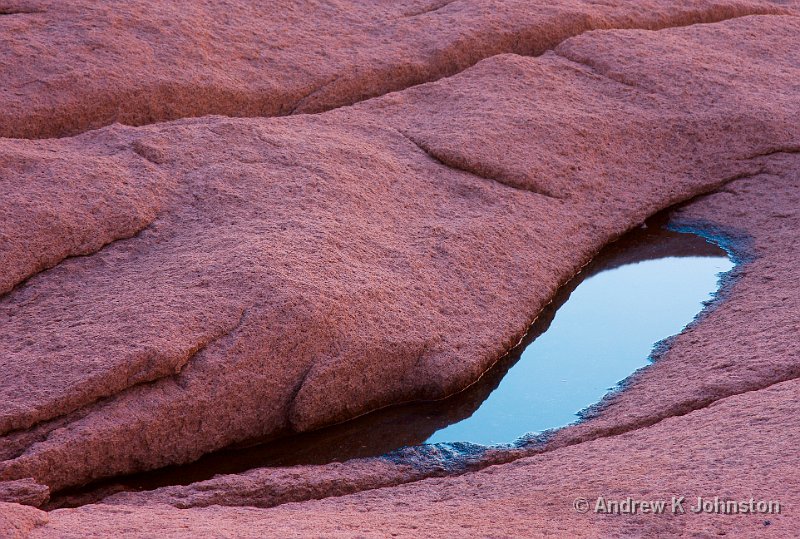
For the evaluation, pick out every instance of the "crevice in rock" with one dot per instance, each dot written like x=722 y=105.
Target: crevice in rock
x=429 y=462
x=774 y=151
x=16 y=442
x=20 y=11
x=103 y=247
x=716 y=188
x=225 y=333
x=430 y=9
x=444 y=161
x=299 y=385
x=319 y=89
x=438 y=72
x=677 y=410
x=700 y=18
x=614 y=77
x=63 y=421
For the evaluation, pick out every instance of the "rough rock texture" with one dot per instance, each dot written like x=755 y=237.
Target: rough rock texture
x=17 y=521
x=71 y=66
x=701 y=454
x=61 y=199
x=716 y=357
x=25 y=491
x=745 y=343
x=171 y=289
x=247 y=308
x=266 y=487
x=740 y=446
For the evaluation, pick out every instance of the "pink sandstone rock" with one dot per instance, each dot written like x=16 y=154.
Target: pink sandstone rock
x=247 y=308
x=73 y=66
x=740 y=446
x=62 y=200
x=18 y=521
x=25 y=491
x=256 y=277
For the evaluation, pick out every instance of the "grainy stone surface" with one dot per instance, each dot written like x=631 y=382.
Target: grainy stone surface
x=61 y=199
x=758 y=216
x=17 y=521
x=25 y=491
x=171 y=289
x=740 y=446
x=72 y=66
x=700 y=454
x=248 y=307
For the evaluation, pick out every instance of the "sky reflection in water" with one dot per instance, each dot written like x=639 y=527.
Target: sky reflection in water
x=602 y=334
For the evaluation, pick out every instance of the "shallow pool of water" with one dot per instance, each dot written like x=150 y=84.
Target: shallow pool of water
x=603 y=333
x=600 y=328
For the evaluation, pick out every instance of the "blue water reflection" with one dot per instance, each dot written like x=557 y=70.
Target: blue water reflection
x=605 y=331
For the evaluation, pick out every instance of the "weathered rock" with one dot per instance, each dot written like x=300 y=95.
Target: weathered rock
x=73 y=66
x=741 y=446
x=61 y=199
x=24 y=491
x=267 y=487
x=716 y=357
x=377 y=434
x=248 y=307
x=17 y=521
x=615 y=163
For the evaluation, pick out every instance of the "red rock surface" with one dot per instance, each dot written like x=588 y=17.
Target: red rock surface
x=254 y=287
x=26 y=491
x=256 y=276
x=738 y=446
x=73 y=66
x=18 y=521
x=61 y=200
x=717 y=357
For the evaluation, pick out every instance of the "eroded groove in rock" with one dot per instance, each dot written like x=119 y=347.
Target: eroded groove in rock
x=271 y=487
x=82 y=394
x=486 y=175
x=61 y=200
x=17 y=11
x=16 y=442
x=309 y=222
x=66 y=254
x=678 y=456
x=616 y=77
x=774 y=151
x=436 y=6
x=188 y=72
x=24 y=491
x=311 y=95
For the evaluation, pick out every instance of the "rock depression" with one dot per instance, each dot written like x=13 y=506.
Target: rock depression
x=170 y=288
x=741 y=442
x=300 y=271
